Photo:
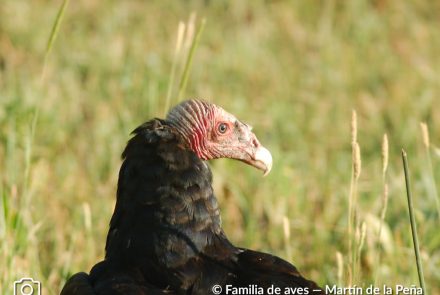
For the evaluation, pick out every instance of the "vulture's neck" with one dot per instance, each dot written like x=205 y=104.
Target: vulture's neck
x=166 y=211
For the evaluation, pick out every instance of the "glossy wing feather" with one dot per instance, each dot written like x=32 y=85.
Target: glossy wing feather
x=78 y=284
x=267 y=270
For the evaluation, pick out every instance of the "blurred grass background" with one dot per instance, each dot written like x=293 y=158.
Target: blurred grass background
x=292 y=69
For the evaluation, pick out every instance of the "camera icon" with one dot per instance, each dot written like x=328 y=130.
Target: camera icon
x=27 y=286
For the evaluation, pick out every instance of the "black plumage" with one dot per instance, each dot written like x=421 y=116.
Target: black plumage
x=165 y=234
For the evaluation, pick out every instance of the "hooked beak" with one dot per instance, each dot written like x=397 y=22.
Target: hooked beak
x=263 y=160
x=260 y=159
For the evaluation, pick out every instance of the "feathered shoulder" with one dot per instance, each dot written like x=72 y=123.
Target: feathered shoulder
x=150 y=133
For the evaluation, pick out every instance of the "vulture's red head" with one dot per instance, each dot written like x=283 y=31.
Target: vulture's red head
x=211 y=133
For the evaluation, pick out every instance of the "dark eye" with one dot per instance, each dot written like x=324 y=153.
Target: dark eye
x=222 y=128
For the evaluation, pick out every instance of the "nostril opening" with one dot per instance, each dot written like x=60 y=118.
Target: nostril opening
x=254 y=142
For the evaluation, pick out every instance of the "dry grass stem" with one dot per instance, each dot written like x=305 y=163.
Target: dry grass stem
x=286 y=229
x=340 y=265
x=352 y=202
x=425 y=134
x=384 y=155
x=431 y=185
x=353 y=127
x=357 y=162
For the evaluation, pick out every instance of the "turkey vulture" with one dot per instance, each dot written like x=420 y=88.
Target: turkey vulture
x=165 y=234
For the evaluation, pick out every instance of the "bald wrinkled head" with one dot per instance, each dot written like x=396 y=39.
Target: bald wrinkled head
x=212 y=133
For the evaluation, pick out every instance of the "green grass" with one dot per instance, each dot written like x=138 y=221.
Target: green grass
x=413 y=222
x=294 y=70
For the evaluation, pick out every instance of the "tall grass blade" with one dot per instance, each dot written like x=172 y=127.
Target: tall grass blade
x=413 y=222
x=385 y=157
x=352 y=200
x=177 y=51
x=185 y=74
x=53 y=35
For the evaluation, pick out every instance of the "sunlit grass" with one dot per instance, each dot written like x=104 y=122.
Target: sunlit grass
x=293 y=70
x=413 y=222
